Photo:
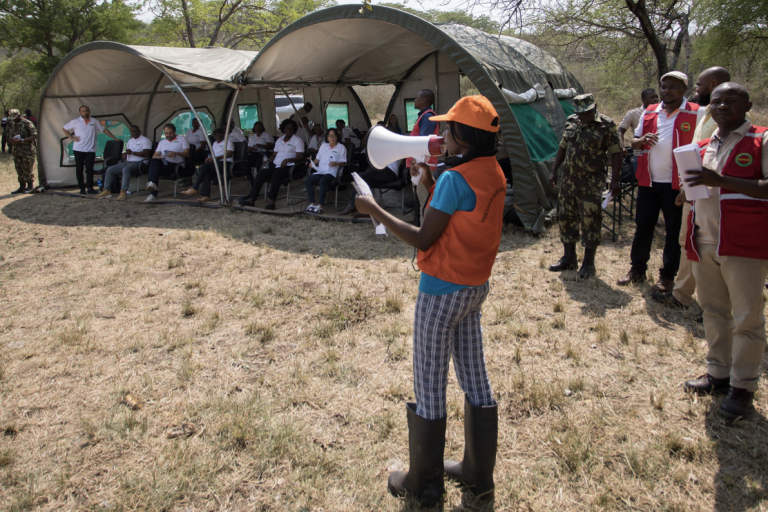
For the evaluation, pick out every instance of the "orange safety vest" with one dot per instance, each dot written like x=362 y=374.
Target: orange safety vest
x=685 y=125
x=743 y=219
x=466 y=251
x=432 y=162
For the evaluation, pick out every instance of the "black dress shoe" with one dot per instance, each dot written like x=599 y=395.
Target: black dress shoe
x=246 y=201
x=82 y=192
x=269 y=206
x=738 y=403
x=707 y=384
x=92 y=191
x=348 y=209
x=668 y=300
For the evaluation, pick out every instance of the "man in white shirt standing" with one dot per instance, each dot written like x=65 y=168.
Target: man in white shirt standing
x=83 y=131
x=198 y=142
x=138 y=150
x=663 y=128
x=171 y=152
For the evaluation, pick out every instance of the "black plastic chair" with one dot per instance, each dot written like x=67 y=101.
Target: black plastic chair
x=113 y=153
x=398 y=184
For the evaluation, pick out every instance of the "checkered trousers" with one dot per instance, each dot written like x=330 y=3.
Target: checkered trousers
x=448 y=326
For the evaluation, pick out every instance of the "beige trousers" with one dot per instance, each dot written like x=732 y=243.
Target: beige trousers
x=685 y=283
x=731 y=295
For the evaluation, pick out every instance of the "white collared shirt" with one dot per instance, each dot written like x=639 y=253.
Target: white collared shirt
x=196 y=137
x=261 y=140
x=286 y=150
x=218 y=149
x=236 y=135
x=86 y=132
x=137 y=146
x=326 y=154
x=177 y=145
x=660 y=155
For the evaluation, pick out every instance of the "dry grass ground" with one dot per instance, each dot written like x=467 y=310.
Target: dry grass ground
x=172 y=358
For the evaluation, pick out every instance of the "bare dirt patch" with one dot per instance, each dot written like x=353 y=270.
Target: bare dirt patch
x=173 y=358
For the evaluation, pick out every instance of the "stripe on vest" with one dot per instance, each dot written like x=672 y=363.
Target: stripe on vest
x=723 y=197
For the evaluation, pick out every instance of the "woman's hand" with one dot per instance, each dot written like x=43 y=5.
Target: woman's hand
x=419 y=167
x=172 y=154
x=365 y=204
x=705 y=176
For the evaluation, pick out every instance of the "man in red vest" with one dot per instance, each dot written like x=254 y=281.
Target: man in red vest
x=727 y=242
x=664 y=127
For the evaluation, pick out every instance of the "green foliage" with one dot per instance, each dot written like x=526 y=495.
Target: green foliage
x=18 y=87
x=484 y=22
x=245 y=24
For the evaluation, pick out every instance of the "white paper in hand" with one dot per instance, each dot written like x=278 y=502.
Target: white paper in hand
x=364 y=190
x=312 y=165
x=381 y=230
x=607 y=200
x=688 y=158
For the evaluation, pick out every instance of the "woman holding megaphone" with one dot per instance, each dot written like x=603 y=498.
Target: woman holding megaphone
x=457 y=245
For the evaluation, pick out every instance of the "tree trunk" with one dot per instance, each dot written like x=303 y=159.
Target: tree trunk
x=640 y=11
x=188 y=23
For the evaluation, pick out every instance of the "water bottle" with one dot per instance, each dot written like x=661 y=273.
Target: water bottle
x=264 y=161
x=99 y=184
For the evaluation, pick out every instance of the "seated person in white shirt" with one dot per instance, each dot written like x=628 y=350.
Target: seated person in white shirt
x=198 y=142
x=235 y=133
x=171 y=152
x=347 y=134
x=207 y=171
x=260 y=144
x=289 y=150
x=318 y=136
x=330 y=157
x=138 y=150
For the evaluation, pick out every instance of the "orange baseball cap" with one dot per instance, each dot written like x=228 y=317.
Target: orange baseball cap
x=474 y=111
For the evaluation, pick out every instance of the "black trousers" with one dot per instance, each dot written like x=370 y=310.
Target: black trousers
x=272 y=174
x=84 y=160
x=650 y=201
x=205 y=176
x=158 y=168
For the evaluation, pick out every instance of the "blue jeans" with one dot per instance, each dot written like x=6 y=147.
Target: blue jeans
x=315 y=180
x=124 y=168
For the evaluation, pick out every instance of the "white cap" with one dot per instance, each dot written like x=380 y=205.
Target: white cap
x=677 y=74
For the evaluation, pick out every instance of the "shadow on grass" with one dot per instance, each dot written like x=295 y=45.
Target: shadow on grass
x=741 y=453
x=595 y=295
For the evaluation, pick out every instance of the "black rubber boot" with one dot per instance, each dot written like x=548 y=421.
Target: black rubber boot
x=588 y=265
x=424 y=479
x=481 y=431
x=569 y=261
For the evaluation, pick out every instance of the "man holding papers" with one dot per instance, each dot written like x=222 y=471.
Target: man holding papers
x=664 y=127
x=727 y=242
x=588 y=136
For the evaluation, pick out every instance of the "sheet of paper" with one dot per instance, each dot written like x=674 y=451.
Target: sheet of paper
x=363 y=189
x=417 y=179
x=607 y=200
x=381 y=230
x=688 y=158
x=312 y=165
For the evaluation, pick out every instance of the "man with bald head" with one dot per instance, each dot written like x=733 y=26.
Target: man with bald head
x=681 y=296
x=727 y=240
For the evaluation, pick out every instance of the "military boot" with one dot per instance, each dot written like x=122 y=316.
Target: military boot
x=569 y=261
x=588 y=269
x=19 y=190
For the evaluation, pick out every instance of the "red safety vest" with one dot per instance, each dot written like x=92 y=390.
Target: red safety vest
x=432 y=162
x=685 y=125
x=743 y=219
x=466 y=251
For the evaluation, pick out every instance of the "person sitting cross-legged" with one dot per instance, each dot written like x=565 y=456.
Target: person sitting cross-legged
x=138 y=150
x=171 y=151
x=289 y=150
x=330 y=157
x=207 y=171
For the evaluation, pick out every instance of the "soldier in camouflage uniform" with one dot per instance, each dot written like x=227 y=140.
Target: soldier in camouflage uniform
x=22 y=135
x=588 y=136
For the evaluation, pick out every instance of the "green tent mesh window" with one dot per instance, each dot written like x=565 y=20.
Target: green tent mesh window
x=567 y=107
x=540 y=138
x=337 y=111
x=249 y=114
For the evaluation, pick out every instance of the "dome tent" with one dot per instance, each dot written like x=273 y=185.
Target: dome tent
x=324 y=54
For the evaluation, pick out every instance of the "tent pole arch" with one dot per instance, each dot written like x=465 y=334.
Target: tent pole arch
x=149 y=103
x=224 y=196
x=194 y=112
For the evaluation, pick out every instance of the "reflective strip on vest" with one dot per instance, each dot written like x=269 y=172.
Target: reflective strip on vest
x=731 y=195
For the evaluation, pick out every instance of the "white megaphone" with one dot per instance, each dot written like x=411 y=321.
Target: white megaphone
x=384 y=147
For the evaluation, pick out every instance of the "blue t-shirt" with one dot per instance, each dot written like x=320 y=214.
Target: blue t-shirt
x=452 y=193
x=426 y=127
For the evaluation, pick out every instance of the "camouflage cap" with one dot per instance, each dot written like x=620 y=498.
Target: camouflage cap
x=583 y=103
x=13 y=114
